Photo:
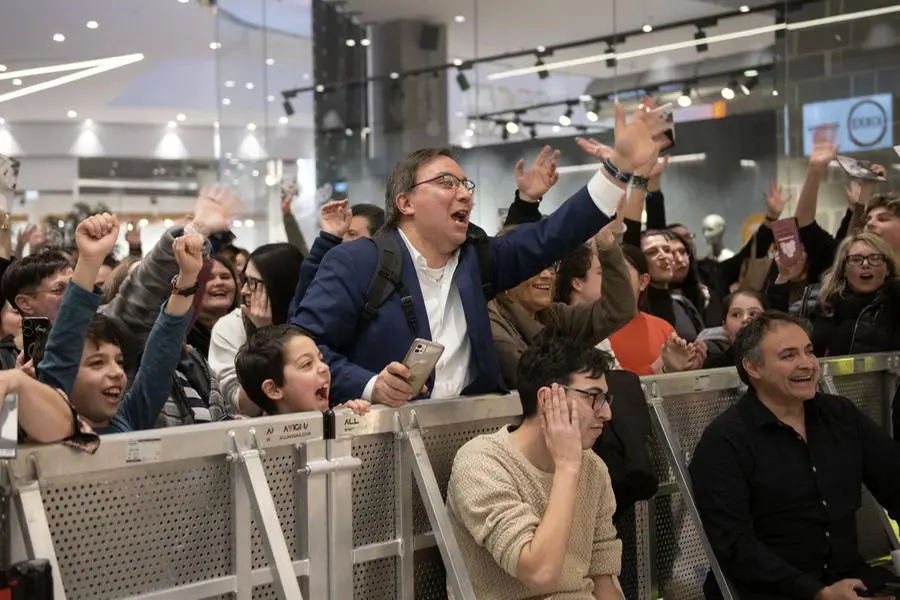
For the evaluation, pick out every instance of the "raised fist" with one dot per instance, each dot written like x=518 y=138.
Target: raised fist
x=96 y=237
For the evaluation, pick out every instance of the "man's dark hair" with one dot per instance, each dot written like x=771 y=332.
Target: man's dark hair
x=261 y=358
x=574 y=266
x=748 y=341
x=26 y=274
x=403 y=178
x=554 y=359
x=110 y=261
x=104 y=330
x=635 y=257
x=374 y=216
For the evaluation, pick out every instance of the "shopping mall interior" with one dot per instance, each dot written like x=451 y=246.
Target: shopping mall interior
x=136 y=105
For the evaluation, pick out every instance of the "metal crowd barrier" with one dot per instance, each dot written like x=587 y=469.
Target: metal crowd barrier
x=340 y=506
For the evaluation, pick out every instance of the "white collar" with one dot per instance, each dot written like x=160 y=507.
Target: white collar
x=418 y=260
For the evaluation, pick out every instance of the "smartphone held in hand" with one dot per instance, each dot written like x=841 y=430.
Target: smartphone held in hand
x=421 y=359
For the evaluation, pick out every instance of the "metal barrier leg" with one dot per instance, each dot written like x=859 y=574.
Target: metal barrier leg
x=406 y=582
x=311 y=504
x=457 y=576
x=340 y=521
x=36 y=531
x=676 y=459
x=243 y=534
x=254 y=477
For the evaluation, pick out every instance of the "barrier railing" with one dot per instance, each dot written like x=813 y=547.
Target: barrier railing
x=342 y=506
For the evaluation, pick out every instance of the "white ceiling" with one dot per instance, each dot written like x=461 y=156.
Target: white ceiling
x=180 y=73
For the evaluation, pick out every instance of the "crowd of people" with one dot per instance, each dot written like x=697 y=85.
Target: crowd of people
x=568 y=309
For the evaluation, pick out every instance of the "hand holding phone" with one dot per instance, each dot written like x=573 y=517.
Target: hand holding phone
x=35 y=331
x=421 y=359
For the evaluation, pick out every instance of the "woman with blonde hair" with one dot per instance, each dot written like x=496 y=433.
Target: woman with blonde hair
x=859 y=308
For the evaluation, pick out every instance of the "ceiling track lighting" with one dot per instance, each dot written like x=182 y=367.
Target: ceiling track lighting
x=685 y=100
x=462 y=81
x=728 y=90
x=543 y=74
x=699 y=36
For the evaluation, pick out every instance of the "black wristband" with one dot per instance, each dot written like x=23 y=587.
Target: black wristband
x=520 y=199
x=640 y=182
x=615 y=172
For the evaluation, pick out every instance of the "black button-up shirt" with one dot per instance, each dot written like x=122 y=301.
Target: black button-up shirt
x=780 y=513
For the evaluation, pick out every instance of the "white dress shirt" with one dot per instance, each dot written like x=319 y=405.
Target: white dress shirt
x=444 y=308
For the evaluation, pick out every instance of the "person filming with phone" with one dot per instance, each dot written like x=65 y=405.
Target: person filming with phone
x=444 y=272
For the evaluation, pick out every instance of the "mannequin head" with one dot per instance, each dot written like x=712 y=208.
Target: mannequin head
x=713 y=229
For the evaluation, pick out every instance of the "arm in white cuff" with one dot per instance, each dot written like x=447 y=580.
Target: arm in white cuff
x=605 y=193
x=370 y=387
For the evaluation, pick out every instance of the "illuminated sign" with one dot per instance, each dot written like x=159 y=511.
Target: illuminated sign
x=863 y=123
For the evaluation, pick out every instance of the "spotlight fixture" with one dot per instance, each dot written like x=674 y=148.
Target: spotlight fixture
x=749 y=84
x=58 y=37
x=684 y=100
x=565 y=119
x=71 y=114
x=593 y=113
x=251 y=126
x=17 y=82
x=647 y=28
x=215 y=45
x=394 y=75
x=459 y=19
x=249 y=85
x=350 y=42
x=172 y=125
x=744 y=9
x=543 y=73
x=462 y=81
x=288 y=107
x=457 y=62
x=88 y=122
x=270 y=98
x=728 y=90
x=282 y=120
x=513 y=126
x=611 y=61
x=226 y=101
x=180 y=117
x=348 y=132
x=92 y=25
x=701 y=35
x=229 y=83
x=270 y=62
x=774 y=92
x=504 y=135
x=533 y=131
x=364 y=42
x=320 y=88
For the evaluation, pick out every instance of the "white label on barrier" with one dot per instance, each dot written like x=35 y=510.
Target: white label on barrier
x=350 y=423
x=144 y=451
x=293 y=431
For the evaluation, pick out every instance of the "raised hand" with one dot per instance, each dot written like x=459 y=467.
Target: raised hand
x=95 y=237
x=335 y=216
x=537 y=180
x=188 y=250
x=595 y=148
x=824 y=150
x=323 y=194
x=638 y=142
x=391 y=387
x=259 y=309
x=213 y=210
x=133 y=235
x=776 y=201
x=287 y=197
x=608 y=236
x=562 y=429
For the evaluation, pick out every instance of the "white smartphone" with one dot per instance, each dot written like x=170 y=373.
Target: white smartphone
x=668 y=112
x=421 y=359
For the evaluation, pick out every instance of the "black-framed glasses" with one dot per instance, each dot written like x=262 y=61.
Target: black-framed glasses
x=598 y=397
x=448 y=181
x=253 y=282
x=874 y=260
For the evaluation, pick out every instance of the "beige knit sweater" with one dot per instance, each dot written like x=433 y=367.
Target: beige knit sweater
x=496 y=498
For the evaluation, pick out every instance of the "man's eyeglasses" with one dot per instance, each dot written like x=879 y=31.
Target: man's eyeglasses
x=449 y=182
x=598 y=397
x=874 y=260
x=253 y=282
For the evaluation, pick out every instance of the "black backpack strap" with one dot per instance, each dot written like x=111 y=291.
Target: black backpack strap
x=482 y=243
x=386 y=280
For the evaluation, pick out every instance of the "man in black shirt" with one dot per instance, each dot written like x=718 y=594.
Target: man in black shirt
x=777 y=477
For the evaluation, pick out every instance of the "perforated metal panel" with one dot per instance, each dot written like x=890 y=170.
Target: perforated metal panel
x=866 y=391
x=123 y=532
x=681 y=563
x=430 y=575
x=373 y=490
x=375 y=580
x=281 y=469
x=4 y=530
x=627 y=530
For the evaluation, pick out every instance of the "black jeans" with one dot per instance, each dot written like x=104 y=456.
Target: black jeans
x=873 y=578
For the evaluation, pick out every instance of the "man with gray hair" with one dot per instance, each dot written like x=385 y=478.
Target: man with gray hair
x=440 y=288
x=778 y=476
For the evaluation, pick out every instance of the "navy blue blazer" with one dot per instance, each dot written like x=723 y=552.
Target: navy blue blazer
x=330 y=310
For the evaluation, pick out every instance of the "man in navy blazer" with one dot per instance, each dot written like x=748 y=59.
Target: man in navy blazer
x=428 y=201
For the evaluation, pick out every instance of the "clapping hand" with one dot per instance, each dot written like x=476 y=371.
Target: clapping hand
x=697 y=351
x=335 y=217
x=95 y=237
x=537 y=180
x=213 y=210
x=776 y=201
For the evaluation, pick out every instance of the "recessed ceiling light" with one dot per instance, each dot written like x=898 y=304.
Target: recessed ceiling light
x=229 y=83
x=183 y=1
x=251 y=126
x=255 y=173
x=283 y=120
x=248 y=85
x=395 y=75
x=249 y=223
x=2 y=120
x=647 y=28
x=88 y=122
x=744 y=9
x=214 y=45
x=180 y=117
x=2 y=68
x=92 y=25
x=774 y=92
x=350 y=42
x=320 y=88
x=17 y=81
x=270 y=98
x=172 y=125
x=270 y=61
x=226 y=101
x=365 y=42
x=71 y=114
x=457 y=62
x=306 y=76
x=215 y=125
x=58 y=37
x=459 y=19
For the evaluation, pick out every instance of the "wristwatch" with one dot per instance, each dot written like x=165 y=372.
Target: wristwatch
x=615 y=172
x=186 y=292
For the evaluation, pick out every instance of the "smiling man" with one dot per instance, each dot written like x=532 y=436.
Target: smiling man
x=532 y=508
x=778 y=476
x=440 y=292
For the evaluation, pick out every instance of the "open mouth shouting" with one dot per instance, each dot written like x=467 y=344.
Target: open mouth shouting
x=112 y=394
x=322 y=396
x=461 y=217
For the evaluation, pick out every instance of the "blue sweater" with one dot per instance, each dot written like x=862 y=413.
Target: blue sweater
x=151 y=386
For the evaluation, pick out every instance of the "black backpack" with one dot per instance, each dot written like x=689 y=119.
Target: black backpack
x=387 y=278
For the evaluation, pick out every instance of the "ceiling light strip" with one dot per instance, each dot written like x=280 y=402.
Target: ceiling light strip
x=62 y=68
x=725 y=37
x=46 y=85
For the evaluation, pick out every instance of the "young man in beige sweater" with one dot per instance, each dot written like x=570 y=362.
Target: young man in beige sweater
x=532 y=507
